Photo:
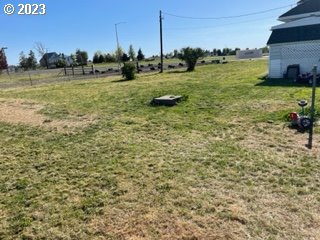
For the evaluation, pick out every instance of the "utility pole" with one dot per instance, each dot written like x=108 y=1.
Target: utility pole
x=161 y=42
x=314 y=86
x=118 y=45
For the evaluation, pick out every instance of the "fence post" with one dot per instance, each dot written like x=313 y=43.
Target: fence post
x=65 y=71
x=314 y=86
x=92 y=67
x=83 y=72
x=30 y=79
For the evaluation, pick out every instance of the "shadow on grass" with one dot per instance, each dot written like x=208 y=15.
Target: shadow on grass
x=279 y=82
x=180 y=71
x=122 y=80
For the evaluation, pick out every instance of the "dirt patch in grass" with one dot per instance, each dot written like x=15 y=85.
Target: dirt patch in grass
x=23 y=112
x=279 y=139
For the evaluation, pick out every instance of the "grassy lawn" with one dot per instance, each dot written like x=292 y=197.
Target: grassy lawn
x=220 y=165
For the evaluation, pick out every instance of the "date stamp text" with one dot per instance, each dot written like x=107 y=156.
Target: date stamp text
x=25 y=9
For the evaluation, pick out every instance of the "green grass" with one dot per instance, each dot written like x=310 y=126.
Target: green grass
x=211 y=167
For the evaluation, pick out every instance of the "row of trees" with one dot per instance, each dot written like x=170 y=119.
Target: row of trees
x=118 y=55
x=214 y=52
x=27 y=62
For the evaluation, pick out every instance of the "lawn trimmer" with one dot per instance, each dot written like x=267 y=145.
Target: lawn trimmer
x=301 y=120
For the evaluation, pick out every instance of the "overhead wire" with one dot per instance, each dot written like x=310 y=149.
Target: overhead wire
x=227 y=17
x=220 y=25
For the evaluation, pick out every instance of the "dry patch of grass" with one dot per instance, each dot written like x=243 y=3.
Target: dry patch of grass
x=26 y=112
x=278 y=139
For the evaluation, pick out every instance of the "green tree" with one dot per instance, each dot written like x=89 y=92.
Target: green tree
x=128 y=71
x=125 y=58
x=214 y=52
x=82 y=57
x=265 y=49
x=98 y=57
x=140 y=56
x=110 y=58
x=119 y=52
x=74 y=59
x=132 y=53
x=23 y=61
x=31 y=60
x=95 y=58
x=61 y=63
x=191 y=56
x=225 y=51
x=175 y=53
x=101 y=58
x=3 y=60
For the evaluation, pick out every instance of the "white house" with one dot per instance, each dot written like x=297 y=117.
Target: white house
x=297 y=40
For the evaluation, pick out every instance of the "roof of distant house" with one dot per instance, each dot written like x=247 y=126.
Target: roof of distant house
x=295 y=34
x=49 y=55
x=307 y=6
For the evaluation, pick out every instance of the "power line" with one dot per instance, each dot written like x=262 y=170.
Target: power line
x=226 y=17
x=221 y=25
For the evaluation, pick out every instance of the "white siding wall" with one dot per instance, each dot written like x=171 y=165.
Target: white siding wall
x=306 y=54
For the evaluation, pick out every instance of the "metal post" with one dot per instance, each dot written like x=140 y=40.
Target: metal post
x=161 y=42
x=314 y=86
x=118 y=45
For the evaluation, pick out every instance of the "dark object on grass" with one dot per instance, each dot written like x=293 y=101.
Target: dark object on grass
x=167 y=100
x=293 y=72
x=306 y=78
x=171 y=66
x=181 y=64
x=203 y=61
x=215 y=61
x=301 y=120
x=152 y=69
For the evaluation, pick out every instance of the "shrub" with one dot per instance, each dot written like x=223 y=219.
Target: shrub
x=191 y=56
x=61 y=63
x=128 y=71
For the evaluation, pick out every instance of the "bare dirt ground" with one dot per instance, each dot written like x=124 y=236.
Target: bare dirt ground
x=24 y=112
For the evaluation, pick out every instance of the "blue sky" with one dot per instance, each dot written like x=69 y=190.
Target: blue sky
x=90 y=25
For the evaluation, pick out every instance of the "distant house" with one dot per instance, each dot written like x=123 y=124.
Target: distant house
x=297 y=40
x=51 y=60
